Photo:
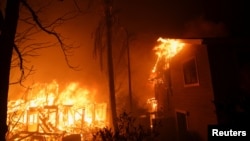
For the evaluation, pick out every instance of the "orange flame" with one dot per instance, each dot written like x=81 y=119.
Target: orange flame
x=73 y=107
x=167 y=49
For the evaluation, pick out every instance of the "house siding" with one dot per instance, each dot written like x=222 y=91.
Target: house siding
x=197 y=101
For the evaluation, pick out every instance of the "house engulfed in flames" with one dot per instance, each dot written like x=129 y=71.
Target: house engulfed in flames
x=46 y=113
x=165 y=51
x=200 y=82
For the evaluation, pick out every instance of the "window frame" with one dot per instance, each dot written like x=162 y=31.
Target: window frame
x=196 y=83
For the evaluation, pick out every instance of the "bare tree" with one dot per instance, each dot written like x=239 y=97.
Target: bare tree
x=10 y=41
x=26 y=44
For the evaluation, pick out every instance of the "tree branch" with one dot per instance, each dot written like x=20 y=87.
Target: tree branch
x=64 y=47
x=21 y=67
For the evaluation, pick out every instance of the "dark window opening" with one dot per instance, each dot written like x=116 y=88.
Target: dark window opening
x=190 y=73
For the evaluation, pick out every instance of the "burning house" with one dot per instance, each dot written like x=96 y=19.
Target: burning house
x=200 y=82
x=47 y=113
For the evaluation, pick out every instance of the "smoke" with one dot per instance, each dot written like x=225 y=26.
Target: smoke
x=203 y=28
x=142 y=62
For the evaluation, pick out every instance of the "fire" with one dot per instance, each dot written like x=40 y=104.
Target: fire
x=152 y=109
x=167 y=49
x=45 y=109
x=153 y=104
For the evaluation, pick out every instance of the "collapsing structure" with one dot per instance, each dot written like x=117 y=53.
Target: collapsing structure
x=47 y=114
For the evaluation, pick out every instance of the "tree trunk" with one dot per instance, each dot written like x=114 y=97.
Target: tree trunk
x=110 y=65
x=7 y=37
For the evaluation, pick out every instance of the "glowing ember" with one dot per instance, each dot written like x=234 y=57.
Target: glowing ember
x=166 y=50
x=46 y=110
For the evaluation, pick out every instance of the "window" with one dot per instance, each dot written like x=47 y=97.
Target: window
x=190 y=73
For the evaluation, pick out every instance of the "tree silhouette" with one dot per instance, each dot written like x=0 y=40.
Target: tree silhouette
x=111 y=36
x=8 y=26
x=7 y=37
